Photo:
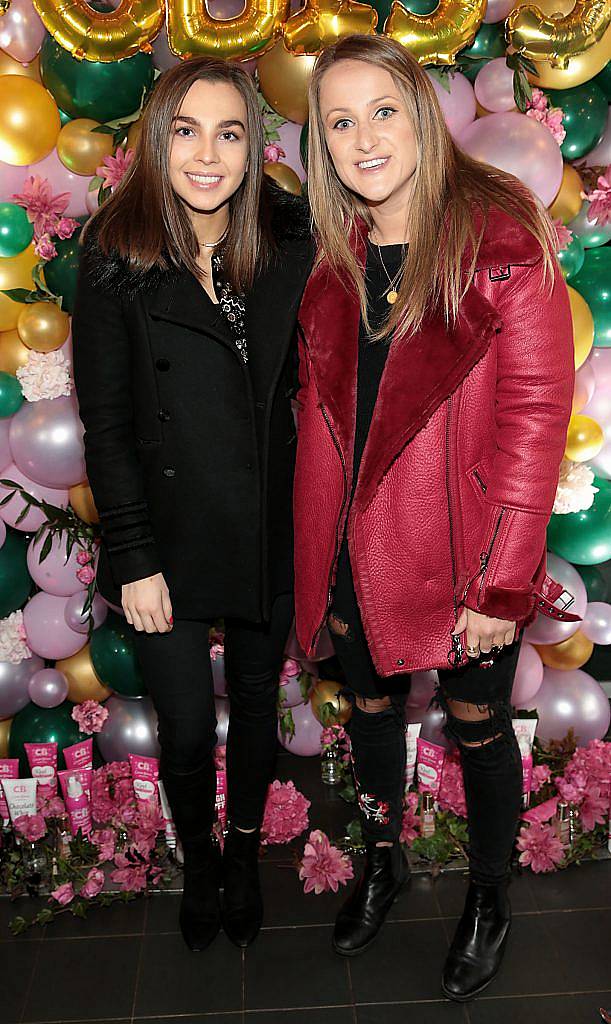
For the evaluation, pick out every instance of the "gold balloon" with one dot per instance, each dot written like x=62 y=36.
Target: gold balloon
x=29 y=121
x=13 y=352
x=581 y=67
x=192 y=31
x=568 y=201
x=323 y=22
x=9 y=66
x=326 y=691
x=436 y=38
x=584 y=439
x=540 y=36
x=134 y=133
x=583 y=326
x=284 y=176
x=83 y=684
x=15 y=272
x=80 y=149
x=284 y=79
x=81 y=499
x=86 y=33
x=5 y=735
x=571 y=653
x=43 y=326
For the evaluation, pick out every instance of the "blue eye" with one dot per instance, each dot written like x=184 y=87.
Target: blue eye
x=344 y=123
x=386 y=111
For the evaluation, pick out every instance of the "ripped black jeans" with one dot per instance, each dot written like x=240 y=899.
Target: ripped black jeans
x=491 y=763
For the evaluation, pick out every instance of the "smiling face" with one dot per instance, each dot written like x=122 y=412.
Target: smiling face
x=368 y=133
x=209 y=146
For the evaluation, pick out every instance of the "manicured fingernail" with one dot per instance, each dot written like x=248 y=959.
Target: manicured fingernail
x=171 y=620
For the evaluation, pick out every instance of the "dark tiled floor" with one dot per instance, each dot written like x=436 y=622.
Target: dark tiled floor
x=128 y=964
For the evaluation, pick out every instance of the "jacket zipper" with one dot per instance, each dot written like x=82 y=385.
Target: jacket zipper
x=456 y=654
x=484 y=559
x=337 y=525
x=480 y=481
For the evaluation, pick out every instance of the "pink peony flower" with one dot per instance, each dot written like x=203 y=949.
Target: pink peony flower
x=66 y=226
x=564 y=236
x=31 y=826
x=130 y=872
x=286 y=813
x=599 y=211
x=112 y=795
x=410 y=828
x=541 y=775
x=452 y=789
x=594 y=809
x=572 y=788
x=44 y=248
x=104 y=839
x=86 y=574
x=551 y=117
x=538 y=100
x=323 y=867
x=93 y=884
x=44 y=209
x=216 y=651
x=541 y=848
x=90 y=715
x=289 y=670
x=51 y=807
x=114 y=168
x=84 y=557
x=273 y=153
x=63 y=894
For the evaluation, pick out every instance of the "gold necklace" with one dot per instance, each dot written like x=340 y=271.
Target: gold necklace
x=391 y=292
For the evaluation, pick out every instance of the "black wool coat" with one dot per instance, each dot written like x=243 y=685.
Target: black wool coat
x=190 y=453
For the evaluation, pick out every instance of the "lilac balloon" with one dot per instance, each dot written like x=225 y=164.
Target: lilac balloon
x=494 y=86
x=497 y=10
x=601 y=463
x=2 y=532
x=224 y=10
x=11 y=179
x=289 y=695
x=21 y=31
x=290 y=134
x=457 y=104
x=597 y=622
x=48 y=688
x=585 y=383
x=217 y=665
x=66 y=349
x=73 y=612
x=570 y=699
x=599 y=409
x=46 y=629
x=529 y=675
x=600 y=361
x=14 y=680
x=221 y=705
x=324 y=648
x=433 y=722
x=549 y=631
x=591 y=235
x=118 y=608
x=422 y=689
x=601 y=154
x=13 y=508
x=92 y=200
x=163 y=58
x=56 y=574
x=519 y=145
x=308 y=730
x=131 y=728
x=47 y=442
x=5 y=449
x=63 y=180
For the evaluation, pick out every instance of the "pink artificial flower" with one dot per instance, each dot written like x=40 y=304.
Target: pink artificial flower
x=31 y=826
x=86 y=575
x=114 y=168
x=538 y=100
x=331 y=735
x=594 y=809
x=112 y=795
x=130 y=874
x=273 y=153
x=541 y=847
x=104 y=839
x=220 y=757
x=84 y=557
x=289 y=670
x=44 y=248
x=550 y=117
x=51 y=807
x=90 y=716
x=410 y=827
x=286 y=813
x=564 y=236
x=63 y=894
x=216 y=651
x=66 y=226
x=93 y=884
x=541 y=775
x=599 y=211
x=572 y=787
x=452 y=789
x=323 y=867
x=44 y=210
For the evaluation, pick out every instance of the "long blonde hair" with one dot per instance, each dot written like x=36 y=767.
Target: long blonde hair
x=449 y=187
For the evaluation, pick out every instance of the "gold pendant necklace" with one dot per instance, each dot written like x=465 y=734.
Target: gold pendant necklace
x=391 y=292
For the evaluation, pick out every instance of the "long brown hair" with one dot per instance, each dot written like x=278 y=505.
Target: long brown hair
x=147 y=224
x=448 y=189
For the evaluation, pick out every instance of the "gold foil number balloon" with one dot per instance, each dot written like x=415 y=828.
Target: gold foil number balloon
x=284 y=79
x=102 y=37
x=193 y=32
x=539 y=35
x=320 y=24
x=436 y=38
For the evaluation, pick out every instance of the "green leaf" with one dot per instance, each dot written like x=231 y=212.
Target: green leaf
x=305 y=685
x=22 y=515
x=8 y=498
x=44 y=916
x=348 y=793
x=79 y=908
x=95 y=183
x=18 y=925
x=102 y=129
x=328 y=713
x=46 y=548
x=440 y=76
x=354 y=831
x=287 y=724
x=17 y=294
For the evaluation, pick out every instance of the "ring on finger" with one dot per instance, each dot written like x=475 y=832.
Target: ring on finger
x=496 y=648
x=472 y=650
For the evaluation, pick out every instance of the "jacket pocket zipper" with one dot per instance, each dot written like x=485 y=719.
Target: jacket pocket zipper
x=456 y=653
x=483 y=486
x=341 y=513
x=484 y=559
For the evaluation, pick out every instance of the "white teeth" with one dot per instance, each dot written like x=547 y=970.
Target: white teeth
x=373 y=163
x=205 y=179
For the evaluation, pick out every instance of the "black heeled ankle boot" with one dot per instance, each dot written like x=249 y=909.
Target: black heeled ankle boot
x=478 y=946
x=200 y=912
x=386 y=872
x=242 y=906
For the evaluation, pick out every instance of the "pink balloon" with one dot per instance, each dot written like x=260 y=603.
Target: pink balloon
x=115 y=607
x=92 y=201
x=217 y=665
x=529 y=675
x=600 y=361
x=494 y=86
x=2 y=532
x=497 y=10
x=13 y=508
x=601 y=463
x=289 y=140
x=599 y=408
x=63 y=180
x=48 y=688
x=5 y=449
x=21 y=31
x=289 y=695
x=73 y=612
x=47 y=441
x=457 y=104
x=597 y=622
x=570 y=699
x=46 y=630
x=221 y=705
x=66 y=349
x=585 y=382
x=601 y=154
x=549 y=631
x=518 y=145
x=308 y=730
x=422 y=689
x=55 y=574
x=11 y=179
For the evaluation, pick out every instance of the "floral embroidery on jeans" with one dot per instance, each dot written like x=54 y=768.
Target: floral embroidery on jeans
x=372 y=809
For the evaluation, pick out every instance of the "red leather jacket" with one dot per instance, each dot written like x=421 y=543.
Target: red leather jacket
x=460 y=469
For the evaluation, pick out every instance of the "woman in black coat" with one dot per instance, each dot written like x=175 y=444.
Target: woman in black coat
x=190 y=282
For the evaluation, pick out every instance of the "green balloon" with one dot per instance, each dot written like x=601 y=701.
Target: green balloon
x=598 y=588
x=413 y=6
x=42 y=725
x=585 y=117
x=593 y=281
x=11 y=395
x=61 y=273
x=489 y=43
x=93 y=88
x=303 y=145
x=584 y=538
x=16 y=232
x=571 y=259
x=64 y=118
x=114 y=659
x=603 y=80
x=15 y=580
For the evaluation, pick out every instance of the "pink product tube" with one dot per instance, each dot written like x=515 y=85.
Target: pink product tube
x=9 y=769
x=79 y=755
x=541 y=812
x=170 y=828
x=411 y=749
x=76 y=790
x=525 y=729
x=430 y=766
x=145 y=774
x=42 y=758
x=221 y=796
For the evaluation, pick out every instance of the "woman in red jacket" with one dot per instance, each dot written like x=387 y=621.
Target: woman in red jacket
x=436 y=384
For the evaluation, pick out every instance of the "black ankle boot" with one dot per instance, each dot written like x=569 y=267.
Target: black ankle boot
x=200 y=912
x=242 y=908
x=363 y=914
x=479 y=943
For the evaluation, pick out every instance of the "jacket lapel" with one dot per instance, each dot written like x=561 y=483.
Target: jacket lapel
x=180 y=300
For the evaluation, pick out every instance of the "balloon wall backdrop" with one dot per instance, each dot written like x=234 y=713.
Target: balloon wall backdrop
x=524 y=88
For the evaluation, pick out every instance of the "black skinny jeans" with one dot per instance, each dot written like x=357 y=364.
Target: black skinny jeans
x=178 y=676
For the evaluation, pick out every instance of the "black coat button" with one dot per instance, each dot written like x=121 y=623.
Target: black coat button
x=168 y=471
x=163 y=415
x=163 y=364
